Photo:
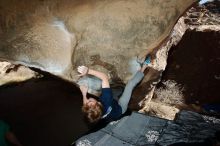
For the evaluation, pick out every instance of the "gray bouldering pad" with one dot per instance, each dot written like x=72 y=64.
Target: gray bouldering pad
x=133 y=130
x=141 y=130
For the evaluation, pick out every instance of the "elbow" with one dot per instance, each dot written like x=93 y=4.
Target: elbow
x=105 y=82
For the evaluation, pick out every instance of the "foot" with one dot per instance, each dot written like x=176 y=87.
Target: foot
x=145 y=63
x=147 y=60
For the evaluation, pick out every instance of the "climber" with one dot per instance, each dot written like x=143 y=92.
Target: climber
x=7 y=136
x=108 y=108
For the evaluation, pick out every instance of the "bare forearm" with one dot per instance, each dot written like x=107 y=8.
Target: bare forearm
x=83 y=70
x=13 y=139
x=84 y=90
x=100 y=75
x=84 y=99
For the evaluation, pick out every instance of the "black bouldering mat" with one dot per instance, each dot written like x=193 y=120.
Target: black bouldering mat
x=189 y=127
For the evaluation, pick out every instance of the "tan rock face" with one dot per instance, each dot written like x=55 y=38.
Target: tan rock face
x=57 y=36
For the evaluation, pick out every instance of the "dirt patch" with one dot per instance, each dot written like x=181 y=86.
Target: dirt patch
x=195 y=64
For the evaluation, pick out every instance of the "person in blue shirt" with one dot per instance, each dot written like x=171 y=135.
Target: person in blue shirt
x=107 y=107
x=6 y=136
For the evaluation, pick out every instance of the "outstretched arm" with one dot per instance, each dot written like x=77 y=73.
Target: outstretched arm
x=12 y=139
x=83 y=70
x=84 y=90
x=102 y=76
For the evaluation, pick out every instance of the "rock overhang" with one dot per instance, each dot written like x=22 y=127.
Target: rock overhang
x=57 y=36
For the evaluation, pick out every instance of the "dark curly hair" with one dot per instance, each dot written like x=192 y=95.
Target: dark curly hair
x=93 y=113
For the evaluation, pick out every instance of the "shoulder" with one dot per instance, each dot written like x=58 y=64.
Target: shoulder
x=4 y=125
x=106 y=93
x=106 y=98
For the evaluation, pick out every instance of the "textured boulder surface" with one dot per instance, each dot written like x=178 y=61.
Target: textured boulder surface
x=57 y=36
